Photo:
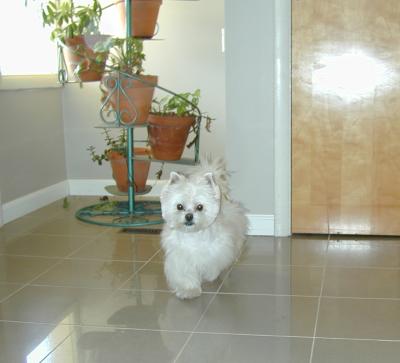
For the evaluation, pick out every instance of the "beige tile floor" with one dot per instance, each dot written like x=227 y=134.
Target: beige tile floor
x=74 y=292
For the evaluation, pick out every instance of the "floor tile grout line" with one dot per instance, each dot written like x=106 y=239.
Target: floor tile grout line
x=277 y=265
x=119 y=288
x=208 y=292
x=107 y=259
x=329 y=266
x=29 y=282
x=57 y=286
x=361 y=267
x=360 y=298
x=91 y=240
x=207 y=307
x=359 y=339
x=110 y=327
x=24 y=234
x=62 y=259
x=202 y=315
x=297 y=336
x=319 y=299
x=59 y=261
x=200 y=332
x=70 y=257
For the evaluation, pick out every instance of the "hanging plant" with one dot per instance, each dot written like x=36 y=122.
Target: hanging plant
x=69 y=20
x=116 y=153
x=76 y=29
x=171 y=120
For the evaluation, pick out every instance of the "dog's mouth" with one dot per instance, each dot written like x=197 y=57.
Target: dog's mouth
x=189 y=224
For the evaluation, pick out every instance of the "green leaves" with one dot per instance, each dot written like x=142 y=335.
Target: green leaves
x=114 y=143
x=183 y=104
x=69 y=20
x=127 y=55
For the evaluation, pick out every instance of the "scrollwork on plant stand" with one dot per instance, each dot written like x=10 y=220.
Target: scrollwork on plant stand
x=113 y=90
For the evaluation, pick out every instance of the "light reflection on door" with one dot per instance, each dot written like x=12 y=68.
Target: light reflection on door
x=345 y=117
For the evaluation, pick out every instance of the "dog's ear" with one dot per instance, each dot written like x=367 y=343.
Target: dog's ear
x=175 y=178
x=211 y=181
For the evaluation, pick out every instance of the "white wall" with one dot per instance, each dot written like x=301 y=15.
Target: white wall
x=187 y=57
x=31 y=141
x=250 y=61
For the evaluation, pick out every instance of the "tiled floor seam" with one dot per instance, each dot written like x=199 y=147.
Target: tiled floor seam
x=202 y=316
x=360 y=298
x=60 y=260
x=213 y=292
x=203 y=332
x=99 y=326
x=278 y=265
x=364 y=267
x=360 y=339
x=319 y=300
x=68 y=258
x=29 y=282
x=119 y=288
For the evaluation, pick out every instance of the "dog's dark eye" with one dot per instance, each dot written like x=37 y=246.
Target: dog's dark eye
x=199 y=207
x=179 y=207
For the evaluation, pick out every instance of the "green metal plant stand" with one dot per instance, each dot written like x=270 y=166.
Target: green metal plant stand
x=130 y=213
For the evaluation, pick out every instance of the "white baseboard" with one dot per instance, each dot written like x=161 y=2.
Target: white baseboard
x=89 y=186
x=259 y=224
x=28 y=203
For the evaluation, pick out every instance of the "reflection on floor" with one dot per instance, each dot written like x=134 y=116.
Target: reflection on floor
x=74 y=292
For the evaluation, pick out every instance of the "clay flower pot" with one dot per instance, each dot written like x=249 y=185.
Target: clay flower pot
x=132 y=101
x=78 y=52
x=119 y=168
x=168 y=135
x=144 y=14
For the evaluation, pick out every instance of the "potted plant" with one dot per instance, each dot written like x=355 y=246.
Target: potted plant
x=76 y=28
x=126 y=89
x=144 y=14
x=170 y=121
x=116 y=154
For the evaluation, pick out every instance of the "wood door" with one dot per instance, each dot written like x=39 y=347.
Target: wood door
x=346 y=116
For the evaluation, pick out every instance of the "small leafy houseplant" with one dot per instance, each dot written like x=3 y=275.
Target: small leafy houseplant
x=76 y=28
x=116 y=153
x=126 y=89
x=171 y=119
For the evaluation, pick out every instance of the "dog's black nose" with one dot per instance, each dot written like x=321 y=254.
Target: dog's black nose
x=189 y=217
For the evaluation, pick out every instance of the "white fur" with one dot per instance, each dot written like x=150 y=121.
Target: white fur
x=198 y=250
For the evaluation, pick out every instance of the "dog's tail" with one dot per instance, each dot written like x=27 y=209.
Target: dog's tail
x=219 y=171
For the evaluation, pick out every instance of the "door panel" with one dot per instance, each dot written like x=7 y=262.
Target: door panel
x=346 y=116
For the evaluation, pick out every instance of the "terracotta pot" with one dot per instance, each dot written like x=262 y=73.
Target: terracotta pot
x=119 y=168
x=134 y=99
x=77 y=51
x=168 y=135
x=144 y=14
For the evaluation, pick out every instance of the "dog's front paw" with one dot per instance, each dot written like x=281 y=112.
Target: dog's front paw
x=188 y=293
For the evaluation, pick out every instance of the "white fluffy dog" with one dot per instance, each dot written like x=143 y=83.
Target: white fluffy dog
x=204 y=230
